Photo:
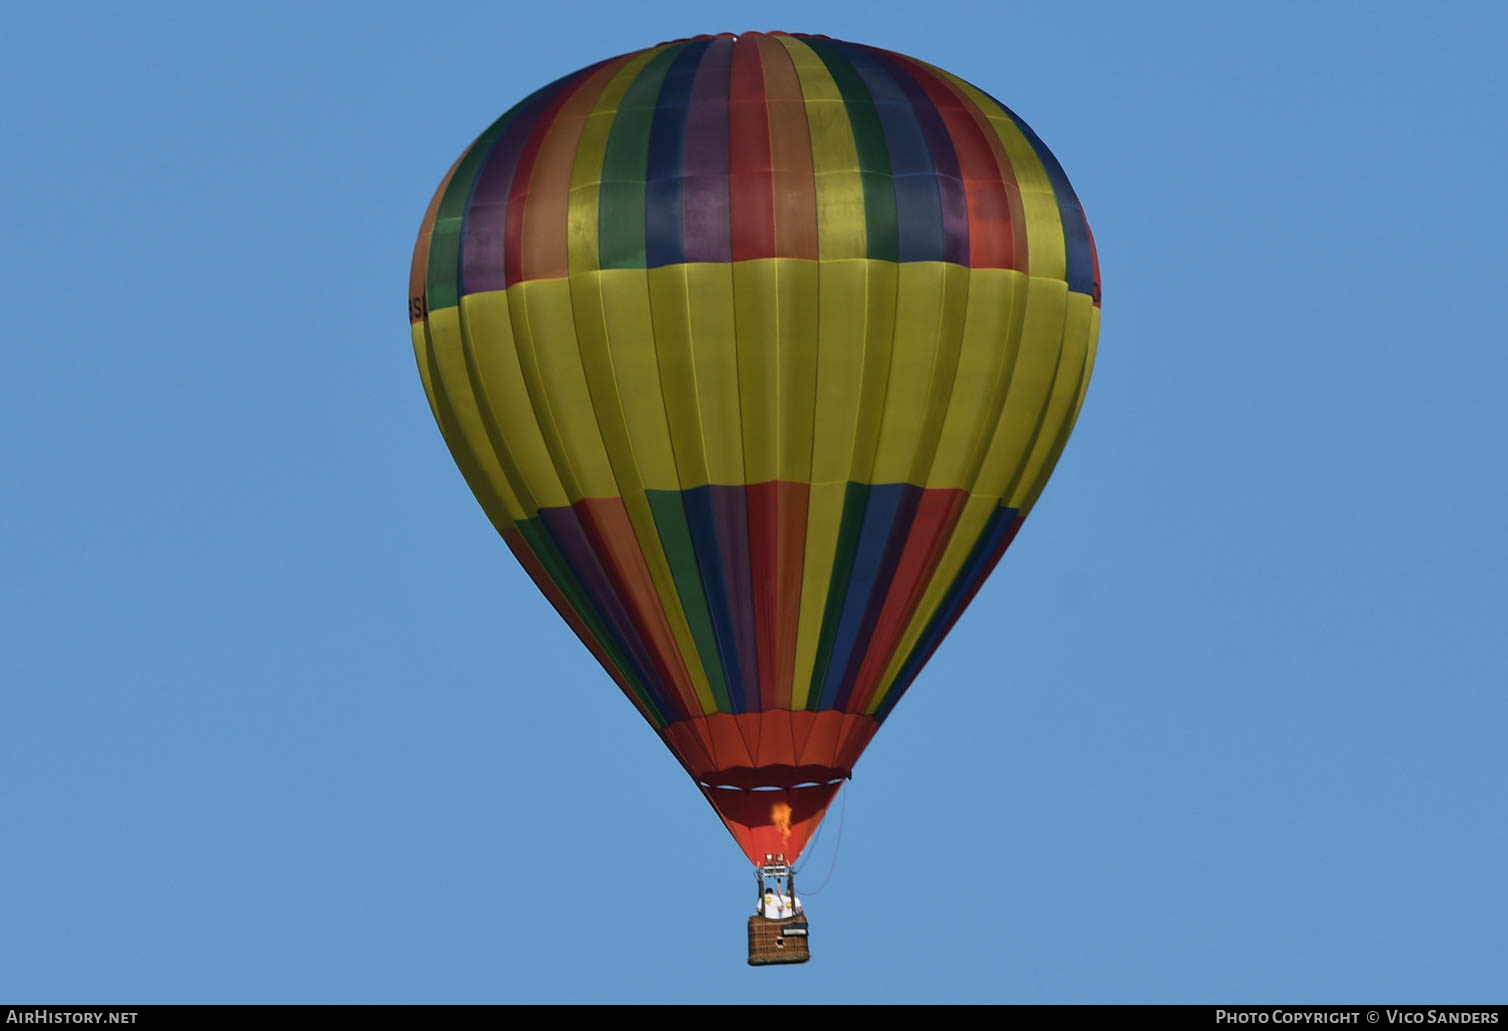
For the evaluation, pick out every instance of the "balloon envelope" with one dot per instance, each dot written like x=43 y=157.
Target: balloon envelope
x=757 y=350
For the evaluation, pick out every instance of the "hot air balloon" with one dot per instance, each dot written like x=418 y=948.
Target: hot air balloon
x=757 y=350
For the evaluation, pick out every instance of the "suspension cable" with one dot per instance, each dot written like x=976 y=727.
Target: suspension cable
x=837 y=845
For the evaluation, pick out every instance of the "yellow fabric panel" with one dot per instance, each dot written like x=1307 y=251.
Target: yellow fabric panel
x=497 y=456
x=1046 y=255
x=1094 y=341
x=499 y=378
x=874 y=378
x=971 y=523
x=591 y=332
x=918 y=310
x=641 y=518
x=931 y=300
x=756 y=328
x=586 y=171
x=944 y=371
x=1035 y=340
x=1021 y=288
x=842 y=227
x=710 y=297
x=671 y=318
x=1044 y=233
x=1058 y=421
x=545 y=336
x=418 y=330
x=632 y=343
x=460 y=421
x=798 y=318
x=607 y=395
x=776 y=327
x=841 y=288
x=1030 y=387
x=824 y=514
x=991 y=339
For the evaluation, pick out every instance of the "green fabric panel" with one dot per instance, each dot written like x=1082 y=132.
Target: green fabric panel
x=625 y=162
x=441 y=288
x=874 y=155
x=855 y=498
x=675 y=536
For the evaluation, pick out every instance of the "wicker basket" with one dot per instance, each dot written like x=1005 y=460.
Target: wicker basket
x=778 y=941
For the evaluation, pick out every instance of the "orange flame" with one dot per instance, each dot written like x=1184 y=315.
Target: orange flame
x=780 y=816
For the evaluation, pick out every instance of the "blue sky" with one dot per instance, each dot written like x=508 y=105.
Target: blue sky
x=269 y=684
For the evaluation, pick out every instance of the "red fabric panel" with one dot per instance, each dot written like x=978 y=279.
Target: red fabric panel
x=606 y=523
x=792 y=747
x=793 y=502
x=822 y=745
x=1006 y=173
x=991 y=239
x=751 y=191
x=776 y=746
x=936 y=514
x=790 y=154
x=858 y=737
x=801 y=729
x=728 y=743
x=1094 y=254
x=751 y=727
x=749 y=817
x=704 y=736
x=545 y=233
x=764 y=559
x=518 y=190
x=777 y=553
x=688 y=745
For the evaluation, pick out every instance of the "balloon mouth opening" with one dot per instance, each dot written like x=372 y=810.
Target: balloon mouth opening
x=770 y=778
x=832 y=782
x=772 y=819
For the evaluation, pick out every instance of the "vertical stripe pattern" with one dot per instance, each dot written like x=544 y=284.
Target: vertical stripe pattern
x=757 y=350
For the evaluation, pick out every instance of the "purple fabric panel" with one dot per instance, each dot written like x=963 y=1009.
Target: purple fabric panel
x=708 y=220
